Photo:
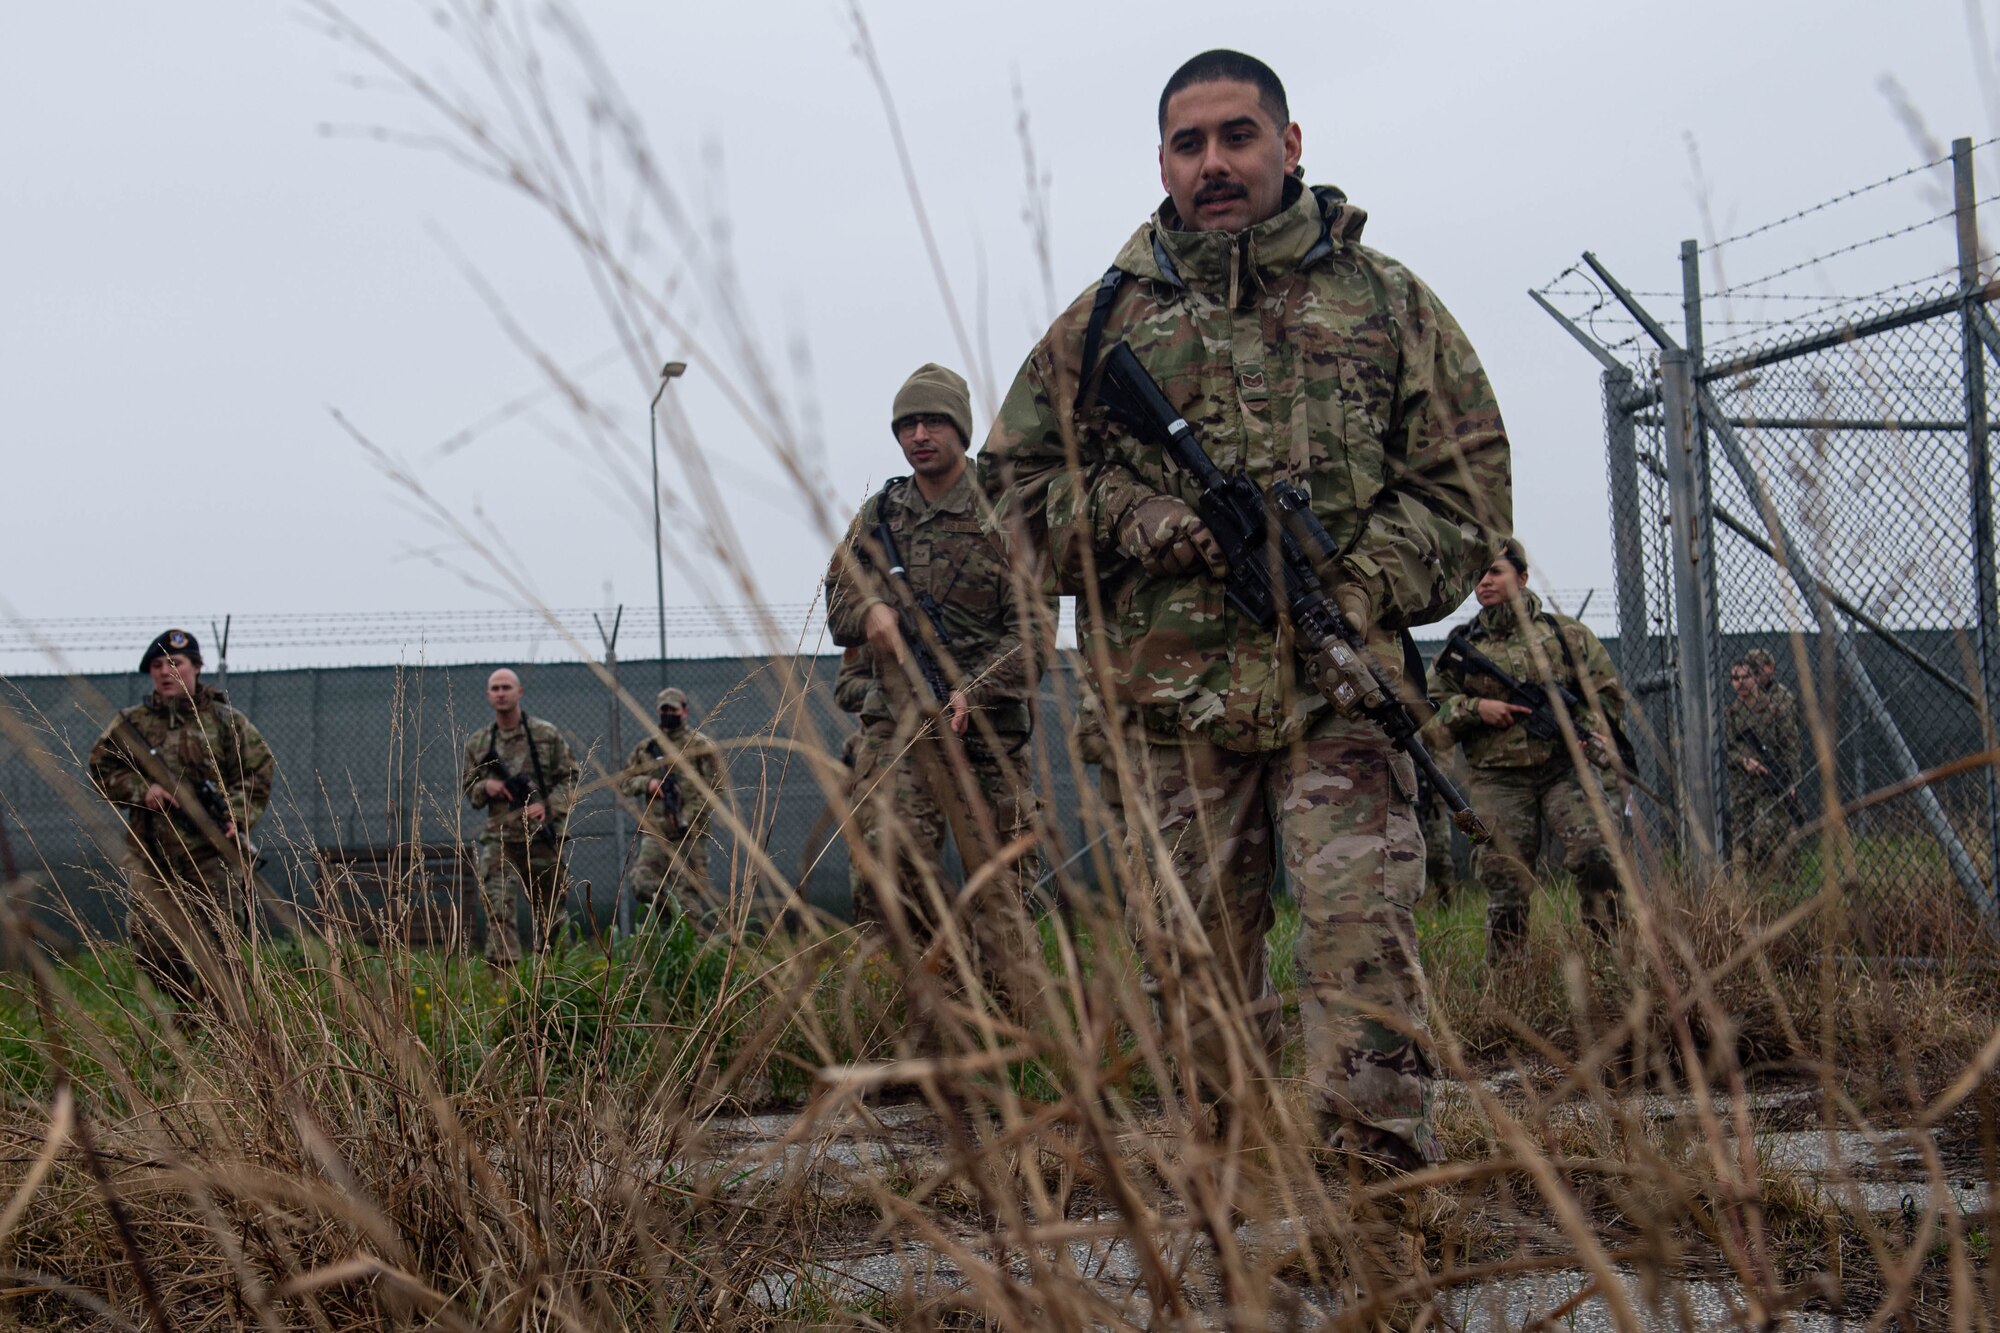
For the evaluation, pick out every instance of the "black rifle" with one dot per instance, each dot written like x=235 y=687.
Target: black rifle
x=1265 y=540
x=206 y=794
x=669 y=798
x=905 y=597
x=1777 y=777
x=522 y=791
x=1540 y=700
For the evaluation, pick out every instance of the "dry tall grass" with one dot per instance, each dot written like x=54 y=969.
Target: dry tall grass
x=387 y=1138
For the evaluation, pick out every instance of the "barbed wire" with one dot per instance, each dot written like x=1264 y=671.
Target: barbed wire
x=1839 y=199
x=1845 y=250
x=291 y=629
x=1809 y=319
x=1758 y=296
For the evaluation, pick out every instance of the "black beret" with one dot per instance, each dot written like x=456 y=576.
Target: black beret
x=170 y=642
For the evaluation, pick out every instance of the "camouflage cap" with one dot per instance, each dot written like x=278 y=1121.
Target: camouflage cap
x=169 y=643
x=932 y=388
x=1760 y=659
x=671 y=697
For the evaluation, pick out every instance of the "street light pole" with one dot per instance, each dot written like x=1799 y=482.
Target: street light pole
x=670 y=372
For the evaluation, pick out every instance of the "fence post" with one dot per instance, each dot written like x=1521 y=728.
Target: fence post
x=1637 y=658
x=621 y=902
x=1717 y=754
x=1986 y=624
x=1687 y=494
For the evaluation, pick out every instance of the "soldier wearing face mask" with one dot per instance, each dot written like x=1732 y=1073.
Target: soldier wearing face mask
x=675 y=784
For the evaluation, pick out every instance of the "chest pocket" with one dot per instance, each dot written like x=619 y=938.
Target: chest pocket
x=963 y=574
x=1339 y=383
x=1367 y=392
x=193 y=752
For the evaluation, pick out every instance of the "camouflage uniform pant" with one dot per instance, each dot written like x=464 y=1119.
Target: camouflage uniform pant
x=1440 y=872
x=668 y=869
x=510 y=865
x=183 y=921
x=1113 y=795
x=1758 y=823
x=903 y=826
x=1518 y=805
x=1341 y=809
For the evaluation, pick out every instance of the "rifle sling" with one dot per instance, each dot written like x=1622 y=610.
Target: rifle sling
x=492 y=758
x=1093 y=331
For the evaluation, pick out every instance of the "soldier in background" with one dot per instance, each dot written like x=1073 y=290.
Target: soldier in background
x=955 y=551
x=520 y=772
x=672 y=788
x=1294 y=352
x=1777 y=696
x=1762 y=725
x=1523 y=784
x=180 y=886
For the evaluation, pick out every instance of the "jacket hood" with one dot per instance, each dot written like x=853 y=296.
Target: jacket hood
x=1313 y=224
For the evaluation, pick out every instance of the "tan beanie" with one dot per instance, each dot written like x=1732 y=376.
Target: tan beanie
x=934 y=389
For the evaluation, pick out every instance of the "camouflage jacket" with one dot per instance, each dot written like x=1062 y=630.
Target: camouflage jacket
x=1496 y=632
x=698 y=759
x=1771 y=716
x=957 y=551
x=207 y=741
x=1296 y=353
x=850 y=687
x=510 y=756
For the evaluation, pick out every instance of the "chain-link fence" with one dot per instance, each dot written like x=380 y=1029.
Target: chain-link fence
x=1814 y=481
x=368 y=764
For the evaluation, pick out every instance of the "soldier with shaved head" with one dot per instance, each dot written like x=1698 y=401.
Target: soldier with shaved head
x=518 y=770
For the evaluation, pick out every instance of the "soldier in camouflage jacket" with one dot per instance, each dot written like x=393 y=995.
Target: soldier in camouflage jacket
x=953 y=549
x=672 y=790
x=521 y=845
x=181 y=887
x=1296 y=353
x=1761 y=723
x=1523 y=784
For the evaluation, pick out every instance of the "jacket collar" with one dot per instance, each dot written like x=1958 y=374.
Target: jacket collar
x=958 y=500
x=1312 y=224
x=204 y=697
x=1498 y=621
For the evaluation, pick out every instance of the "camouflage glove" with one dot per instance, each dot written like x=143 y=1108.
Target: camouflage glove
x=1357 y=605
x=1168 y=538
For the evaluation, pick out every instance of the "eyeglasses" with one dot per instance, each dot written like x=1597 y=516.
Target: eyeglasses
x=930 y=421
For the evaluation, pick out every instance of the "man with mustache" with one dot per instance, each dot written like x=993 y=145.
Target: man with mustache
x=1295 y=353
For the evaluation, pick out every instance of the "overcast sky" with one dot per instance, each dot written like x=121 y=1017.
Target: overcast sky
x=197 y=275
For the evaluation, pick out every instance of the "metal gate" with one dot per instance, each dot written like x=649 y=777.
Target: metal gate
x=1815 y=480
